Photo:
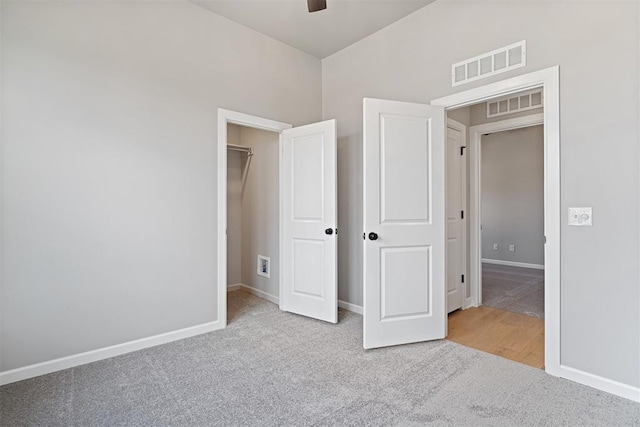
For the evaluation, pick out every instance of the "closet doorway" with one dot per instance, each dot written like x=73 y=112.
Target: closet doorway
x=253 y=199
x=277 y=214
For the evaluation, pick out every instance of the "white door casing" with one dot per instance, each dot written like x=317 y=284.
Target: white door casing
x=456 y=220
x=309 y=220
x=549 y=80
x=404 y=205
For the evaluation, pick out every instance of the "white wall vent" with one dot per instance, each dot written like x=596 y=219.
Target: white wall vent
x=490 y=63
x=522 y=101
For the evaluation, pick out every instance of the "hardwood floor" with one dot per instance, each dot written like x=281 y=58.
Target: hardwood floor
x=514 y=336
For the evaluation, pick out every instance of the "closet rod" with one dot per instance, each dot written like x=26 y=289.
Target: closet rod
x=248 y=150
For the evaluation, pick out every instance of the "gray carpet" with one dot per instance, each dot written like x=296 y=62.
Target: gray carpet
x=270 y=368
x=516 y=289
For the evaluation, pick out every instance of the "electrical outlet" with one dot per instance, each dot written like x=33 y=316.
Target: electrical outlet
x=495 y=246
x=512 y=248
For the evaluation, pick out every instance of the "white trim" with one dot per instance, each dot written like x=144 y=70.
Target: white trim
x=462 y=128
x=225 y=117
x=549 y=79
x=513 y=263
x=600 y=383
x=274 y=299
x=254 y=291
x=351 y=307
x=234 y=287
x=475 y=192
x=55 y=365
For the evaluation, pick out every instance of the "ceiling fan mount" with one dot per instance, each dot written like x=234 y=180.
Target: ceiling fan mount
x=316 y=5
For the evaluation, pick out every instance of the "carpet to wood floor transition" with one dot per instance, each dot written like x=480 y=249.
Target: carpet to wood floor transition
x=270 y=368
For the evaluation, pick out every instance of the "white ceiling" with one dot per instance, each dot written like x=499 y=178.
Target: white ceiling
x=320 y=33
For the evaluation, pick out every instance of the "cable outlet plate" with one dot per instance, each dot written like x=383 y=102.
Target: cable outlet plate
x=580 y=217
x=264 y=266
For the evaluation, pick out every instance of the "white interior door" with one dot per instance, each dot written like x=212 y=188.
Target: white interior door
x=455 y=251
x=309 y=219
x=404 y=223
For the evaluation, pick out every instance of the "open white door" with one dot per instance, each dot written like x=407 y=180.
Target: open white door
x=404 y=223
x=309 y=219
x=455 y=215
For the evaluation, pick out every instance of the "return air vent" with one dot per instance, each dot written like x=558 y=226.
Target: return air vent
x=522 y=101
x=490 y=63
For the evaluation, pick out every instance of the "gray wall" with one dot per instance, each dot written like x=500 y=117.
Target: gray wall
x=260 y=209
x=513 y=195
x=109 y=164
x=411 y=60
x=462 y=115
x=235 y=160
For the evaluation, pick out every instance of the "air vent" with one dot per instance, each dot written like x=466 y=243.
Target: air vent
x=513 y=103
x=490 y=63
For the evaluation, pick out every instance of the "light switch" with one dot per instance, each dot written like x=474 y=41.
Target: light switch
x=580 y=217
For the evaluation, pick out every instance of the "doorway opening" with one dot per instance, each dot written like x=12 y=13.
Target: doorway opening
x=504 y=308
x=253 y=245
x=498 y=98
x=239 y=141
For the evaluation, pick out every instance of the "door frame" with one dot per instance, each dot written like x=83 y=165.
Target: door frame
x=224 y=118
x=475 y=192
x=549 y=80
x=462 y=128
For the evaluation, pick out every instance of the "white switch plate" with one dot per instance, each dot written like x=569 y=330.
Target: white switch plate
x=495 y=246
x=512 y=248
x=581 y=217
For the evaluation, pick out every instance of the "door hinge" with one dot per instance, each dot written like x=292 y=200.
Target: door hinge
x=463 y=278
x=461 y=214
x=462 y=150
x=545 y=239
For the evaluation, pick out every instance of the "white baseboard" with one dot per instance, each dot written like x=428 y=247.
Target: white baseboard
x=235 y=287
x=513 y=263
x=351 y=307
x=274 y=299
x=257 y=292
x=55 y=365
x=600 y=383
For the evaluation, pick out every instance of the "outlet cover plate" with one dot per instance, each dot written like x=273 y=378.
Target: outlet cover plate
x=580 y=217
x=264 y=266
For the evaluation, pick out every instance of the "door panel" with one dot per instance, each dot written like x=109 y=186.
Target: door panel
x=309 y=278
x=455 y=223
x=308 y=177
x=401 y=165
x=404 y=270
